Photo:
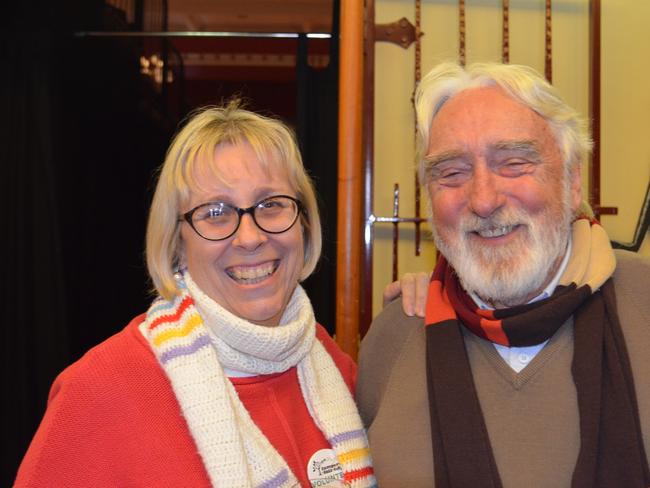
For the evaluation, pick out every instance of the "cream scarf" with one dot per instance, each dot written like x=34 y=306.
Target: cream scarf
x=194 y=339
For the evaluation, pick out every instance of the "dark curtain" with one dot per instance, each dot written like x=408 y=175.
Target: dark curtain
x=33 y=303
x=81 y=139
x=317 y=130
x=114 y=140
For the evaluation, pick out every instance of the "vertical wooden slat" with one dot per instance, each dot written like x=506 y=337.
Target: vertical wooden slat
x=395 y=230
x=417 y=76
x=548 y=41
x=368 y=165
x=594 y=102
x=461 y=32
x=505 y=35
x=348 y=264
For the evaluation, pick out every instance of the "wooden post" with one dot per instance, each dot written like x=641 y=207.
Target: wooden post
x=350 y=188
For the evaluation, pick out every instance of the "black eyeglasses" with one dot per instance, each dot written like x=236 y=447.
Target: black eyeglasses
x=216 y=221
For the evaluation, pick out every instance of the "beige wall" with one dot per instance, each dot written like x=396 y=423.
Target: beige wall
x=625 y=156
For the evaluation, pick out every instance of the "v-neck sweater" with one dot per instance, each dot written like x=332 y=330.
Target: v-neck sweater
x=531 y=416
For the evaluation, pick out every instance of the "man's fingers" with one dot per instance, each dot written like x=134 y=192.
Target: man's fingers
x=421 y=292
x=405 y=287
x=414 y=288
x=391 y=292
x=409 y=293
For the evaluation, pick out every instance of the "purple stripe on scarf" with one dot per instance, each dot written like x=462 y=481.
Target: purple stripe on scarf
x=346 y=436
x=178 y=351
x=277 y=480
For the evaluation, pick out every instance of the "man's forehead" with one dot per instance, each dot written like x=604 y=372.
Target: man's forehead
x=486 y=117
x=490 y=97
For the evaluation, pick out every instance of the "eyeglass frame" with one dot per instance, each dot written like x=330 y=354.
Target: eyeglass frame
x=187 y=216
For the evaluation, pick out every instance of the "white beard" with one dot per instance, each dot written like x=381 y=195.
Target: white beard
x=514 y=273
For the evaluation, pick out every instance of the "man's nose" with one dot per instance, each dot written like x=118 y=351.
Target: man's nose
x=249 y=235
x=485 y=196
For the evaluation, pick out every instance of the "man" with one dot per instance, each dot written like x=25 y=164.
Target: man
x=531 y=367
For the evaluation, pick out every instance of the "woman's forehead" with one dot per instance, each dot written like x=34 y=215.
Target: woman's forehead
x=229 y=161
x=228 y=168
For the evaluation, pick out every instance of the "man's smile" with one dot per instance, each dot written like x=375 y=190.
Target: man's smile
x=497 y=231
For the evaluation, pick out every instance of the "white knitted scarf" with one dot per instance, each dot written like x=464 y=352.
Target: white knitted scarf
x=194 y=339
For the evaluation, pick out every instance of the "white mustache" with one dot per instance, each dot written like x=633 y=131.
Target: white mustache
x=503 y=219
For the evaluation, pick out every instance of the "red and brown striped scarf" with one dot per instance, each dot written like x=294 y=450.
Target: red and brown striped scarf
x=611 y=446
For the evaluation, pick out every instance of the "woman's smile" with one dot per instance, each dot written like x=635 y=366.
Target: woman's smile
x=252 y=274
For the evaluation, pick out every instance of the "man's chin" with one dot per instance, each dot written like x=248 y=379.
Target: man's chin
x=488 y=266
x=502 y=281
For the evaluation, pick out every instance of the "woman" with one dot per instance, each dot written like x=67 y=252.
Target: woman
x=227 y=380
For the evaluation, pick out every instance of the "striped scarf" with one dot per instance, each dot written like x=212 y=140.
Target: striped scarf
x=611 y=454
x=194 y=339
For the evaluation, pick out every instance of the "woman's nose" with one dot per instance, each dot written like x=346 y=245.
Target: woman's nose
x=249 y=235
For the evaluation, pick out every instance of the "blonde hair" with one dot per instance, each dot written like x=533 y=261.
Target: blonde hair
x=522 y=83
x=207 y=128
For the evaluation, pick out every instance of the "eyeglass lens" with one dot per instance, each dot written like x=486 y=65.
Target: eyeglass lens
x=219 y=220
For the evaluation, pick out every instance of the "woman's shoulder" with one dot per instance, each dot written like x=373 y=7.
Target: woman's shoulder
x=343 y=361
x=110 y=364
x=95 y=407
x=127 y=344
x=331 y=346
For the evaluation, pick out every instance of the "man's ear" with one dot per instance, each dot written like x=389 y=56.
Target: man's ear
x=575 y=187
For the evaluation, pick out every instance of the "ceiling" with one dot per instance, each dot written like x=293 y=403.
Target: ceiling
x=250 y=15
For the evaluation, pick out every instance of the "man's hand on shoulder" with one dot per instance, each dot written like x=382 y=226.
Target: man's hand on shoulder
x=413 y=287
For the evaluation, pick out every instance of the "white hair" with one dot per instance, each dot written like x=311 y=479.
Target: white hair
x=523 y=84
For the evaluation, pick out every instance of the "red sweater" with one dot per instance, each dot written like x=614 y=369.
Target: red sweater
x=112 y=421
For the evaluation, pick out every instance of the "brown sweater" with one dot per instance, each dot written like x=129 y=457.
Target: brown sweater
x=531 y=416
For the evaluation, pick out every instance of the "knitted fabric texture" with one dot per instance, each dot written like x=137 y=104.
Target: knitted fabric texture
x=612 y=454
x=194 y=339
x=249 y=348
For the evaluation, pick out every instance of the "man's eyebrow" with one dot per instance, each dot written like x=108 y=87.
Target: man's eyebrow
x=527 y=146
x=432 y=160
